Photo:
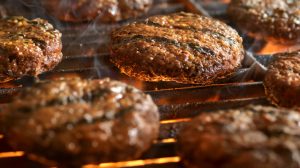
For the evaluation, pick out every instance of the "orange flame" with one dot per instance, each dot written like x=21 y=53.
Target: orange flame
x=11 y=154
x=168 y=140
x=175 y=121
x=134 y=163
x=213 y=98
x=272 y=47
x=226 y=1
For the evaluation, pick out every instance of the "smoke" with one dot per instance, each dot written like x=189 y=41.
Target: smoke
x=256 y=69
x=91 y=39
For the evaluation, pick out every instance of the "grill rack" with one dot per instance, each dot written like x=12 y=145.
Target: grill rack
x=177 y=103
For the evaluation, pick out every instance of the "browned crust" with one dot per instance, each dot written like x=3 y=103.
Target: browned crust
x=275 y=18
x=27 y=47
x=82 y=121
x=282 y=80
x=102 y=10
x=181 y=47
x=249 y=137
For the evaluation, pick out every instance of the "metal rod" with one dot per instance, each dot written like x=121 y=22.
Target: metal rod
x=195 y=7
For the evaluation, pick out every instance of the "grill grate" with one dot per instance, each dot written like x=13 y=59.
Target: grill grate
x=86 y=44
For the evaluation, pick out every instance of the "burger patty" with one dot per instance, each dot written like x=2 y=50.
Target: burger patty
x=102 y=10
x=27 y=47
x=78 y=121
x=181 y=47
x=282 y=80
x=276 y=18
x=249 y=137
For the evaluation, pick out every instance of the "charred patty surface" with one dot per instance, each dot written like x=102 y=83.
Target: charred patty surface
x=249 y=137
x=181 y=47
x=282 y=80
x=27 y=47
x=102 y=10
x=82 y=121
x=276 y=18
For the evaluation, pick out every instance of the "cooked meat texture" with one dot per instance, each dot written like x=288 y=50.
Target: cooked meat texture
x=249 y=137
x=27 y=47
x=275 y=18
x=282 y=80
x=78 y=121
x=181 y=47
x=102 y=10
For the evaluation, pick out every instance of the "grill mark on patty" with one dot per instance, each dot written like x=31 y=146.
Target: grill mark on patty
x=166 y=41
x=23 y=36
x=38 y=42
x=193 y=29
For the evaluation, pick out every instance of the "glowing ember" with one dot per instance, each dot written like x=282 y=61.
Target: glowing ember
x=226 y=1
x=136 y=163
x=169 y=140
x=11 y=154
x=1 y=136
x=272 y=47
x=175 y=121
x=214 y=98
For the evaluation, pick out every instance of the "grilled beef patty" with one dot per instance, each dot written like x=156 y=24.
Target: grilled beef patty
x=276 y=18
x=282 y=80
x=181 y=47
x=102 y=10
x=27 y=47
x=250 y=137
x=82 y=121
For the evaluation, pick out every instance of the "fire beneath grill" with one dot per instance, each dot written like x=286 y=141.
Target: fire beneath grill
x=86 y=55
x=267 y=46
x=273 y=47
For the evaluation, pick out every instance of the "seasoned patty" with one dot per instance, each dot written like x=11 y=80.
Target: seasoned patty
x=249 y=137
x=102 y=10
x=82 y=121
x=276 y=18
x=282 y=80
x=181 y=47
x=27 y=47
